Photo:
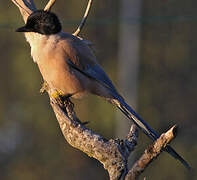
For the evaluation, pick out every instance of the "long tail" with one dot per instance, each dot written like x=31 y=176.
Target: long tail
x=131 y=114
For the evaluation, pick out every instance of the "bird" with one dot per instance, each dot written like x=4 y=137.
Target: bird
x=69 y=66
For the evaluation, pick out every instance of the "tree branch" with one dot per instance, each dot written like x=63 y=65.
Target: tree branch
x=113 y=154
x=49 y=5
x=151 y=153
x=26 y=7
x=83 y=21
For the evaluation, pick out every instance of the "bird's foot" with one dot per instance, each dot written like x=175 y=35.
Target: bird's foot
x=44 y=87
x=63 y=100
x=67 y=102
x=58 y=97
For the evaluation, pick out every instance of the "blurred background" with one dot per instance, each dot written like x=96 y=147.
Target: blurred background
x=148 y=48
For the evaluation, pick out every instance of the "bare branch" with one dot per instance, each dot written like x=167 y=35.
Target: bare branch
x=113 y=154
x=151 y=153
x=76 y=33
x=49 y=5
x=21 y=7
x=131 y=139
x=26 y=7
x=127 y=146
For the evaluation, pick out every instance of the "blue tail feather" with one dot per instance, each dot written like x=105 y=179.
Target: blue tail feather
x=131 y=114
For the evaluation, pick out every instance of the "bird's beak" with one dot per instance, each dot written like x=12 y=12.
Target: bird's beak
x=23 y=29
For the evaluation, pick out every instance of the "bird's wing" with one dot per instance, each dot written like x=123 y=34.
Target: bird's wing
x=95 y=72
x=82 y=59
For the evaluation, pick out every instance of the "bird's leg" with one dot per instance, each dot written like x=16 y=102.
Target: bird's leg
x=58 y=96
x=66 y=100
x=62 y=99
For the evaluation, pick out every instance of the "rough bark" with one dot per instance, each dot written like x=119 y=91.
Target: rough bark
x=151 y=153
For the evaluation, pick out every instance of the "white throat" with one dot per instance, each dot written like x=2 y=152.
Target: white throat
x=39 y=44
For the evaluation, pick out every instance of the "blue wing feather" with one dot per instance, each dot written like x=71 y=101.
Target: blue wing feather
x=97 y=73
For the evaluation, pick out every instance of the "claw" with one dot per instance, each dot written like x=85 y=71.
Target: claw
x=62 y=99
x=58 y=97
x=44 y=87
x=67 y=102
